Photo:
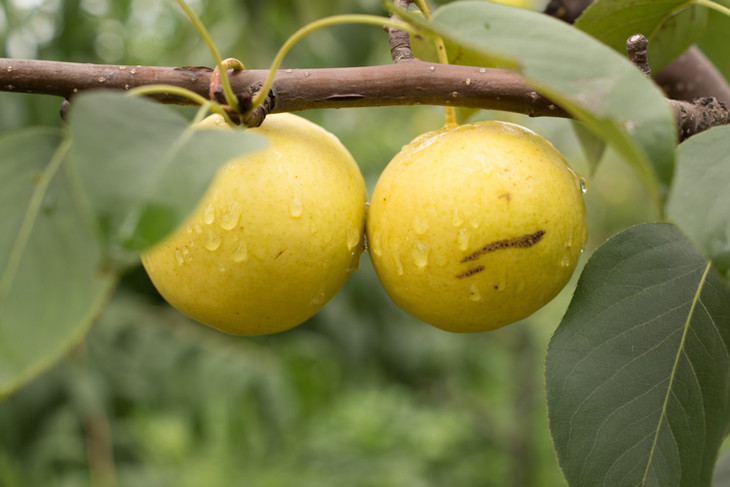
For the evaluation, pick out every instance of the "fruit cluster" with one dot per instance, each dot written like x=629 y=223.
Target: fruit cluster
x=469 y=228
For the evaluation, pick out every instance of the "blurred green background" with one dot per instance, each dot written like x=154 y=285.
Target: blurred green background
x=361 y=394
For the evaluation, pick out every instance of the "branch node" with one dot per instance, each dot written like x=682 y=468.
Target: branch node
x=63 y=109
x=255 y=117
x=400 y=43
x=636 y=48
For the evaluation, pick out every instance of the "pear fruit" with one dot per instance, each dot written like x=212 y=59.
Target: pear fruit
x=277 y=234
x=476 y=226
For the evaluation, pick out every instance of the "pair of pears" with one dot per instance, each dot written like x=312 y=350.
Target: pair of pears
x=469 y=228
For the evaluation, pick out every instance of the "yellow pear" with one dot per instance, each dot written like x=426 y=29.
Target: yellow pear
x=476 y=226
x=277 y=234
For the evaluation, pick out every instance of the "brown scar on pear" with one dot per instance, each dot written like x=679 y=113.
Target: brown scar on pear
x=470 y=272
x=521 y=242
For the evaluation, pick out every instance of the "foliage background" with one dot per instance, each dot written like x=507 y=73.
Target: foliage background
x=360 y=395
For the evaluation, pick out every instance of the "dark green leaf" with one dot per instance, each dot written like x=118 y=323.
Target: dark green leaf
x=699 y=201
x=588 y=79
x=143 y=167
x=638 y=372
x=52 y=285
x=671 y=26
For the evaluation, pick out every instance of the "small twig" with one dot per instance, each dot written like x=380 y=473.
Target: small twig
x=636 y=48
x=692 y=116
x=400 y=44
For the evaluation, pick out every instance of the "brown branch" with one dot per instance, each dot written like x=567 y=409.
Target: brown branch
x=400 y=43
x=408 y=83
x=698 y=115
x=692 y=75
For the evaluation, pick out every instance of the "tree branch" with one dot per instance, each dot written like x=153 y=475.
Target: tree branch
x=411 y=82
x=692 y=75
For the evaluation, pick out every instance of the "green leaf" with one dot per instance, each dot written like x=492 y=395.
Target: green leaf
x=699 y=201
x=143 y=167
x=52 y=285
x=638 y=372
x=714 y=40
x=671 y=26
x=589 y=80
x=593 y=146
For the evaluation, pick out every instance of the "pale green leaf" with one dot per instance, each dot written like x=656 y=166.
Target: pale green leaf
x=593 y=146
x=142 y=166
x=52 y=282
x=700 y=201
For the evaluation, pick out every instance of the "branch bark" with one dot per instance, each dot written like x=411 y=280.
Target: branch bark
x=400 y=42
x=409 y=82
x=693 y=75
